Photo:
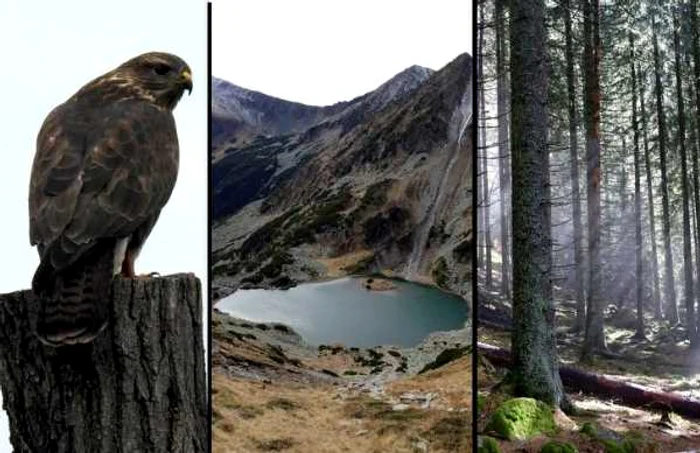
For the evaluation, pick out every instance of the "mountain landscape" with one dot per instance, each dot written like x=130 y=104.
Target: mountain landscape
x=377 y=184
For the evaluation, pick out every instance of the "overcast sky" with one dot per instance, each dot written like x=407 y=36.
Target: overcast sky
x=319 y=52
x=50 y=49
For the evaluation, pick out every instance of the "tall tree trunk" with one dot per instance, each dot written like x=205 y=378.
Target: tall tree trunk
x=536 y=371
x=486 y=218
x=693 y=140
x=671 y=310
x=622 y=271
x=639 y=275
x=650 y=195
x=503 y=151
x=595 y=334
x=695 y=29
x=138 y=387
x=688 y=293
x=575 y=190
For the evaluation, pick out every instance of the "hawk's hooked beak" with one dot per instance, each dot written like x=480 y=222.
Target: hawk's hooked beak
x=186 y=80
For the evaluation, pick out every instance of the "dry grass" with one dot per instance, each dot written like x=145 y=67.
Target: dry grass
x=336 y=266
x=452 y=382
x=256 y=417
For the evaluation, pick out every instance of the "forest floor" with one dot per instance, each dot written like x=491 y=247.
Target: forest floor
x=272 y=392
x=662 y=362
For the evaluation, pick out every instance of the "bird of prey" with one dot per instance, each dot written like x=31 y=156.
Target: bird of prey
x=105 y=165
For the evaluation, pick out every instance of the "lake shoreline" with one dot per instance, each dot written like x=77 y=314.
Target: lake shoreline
x=390 y=311
x=222 y=291
x=413 y=358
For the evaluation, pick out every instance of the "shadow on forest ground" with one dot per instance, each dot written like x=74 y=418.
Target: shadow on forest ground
x=662 y=362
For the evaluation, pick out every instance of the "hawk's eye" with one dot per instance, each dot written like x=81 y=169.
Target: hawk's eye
x=161 y=68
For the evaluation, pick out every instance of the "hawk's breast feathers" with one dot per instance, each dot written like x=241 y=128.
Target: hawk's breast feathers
x=105 y=165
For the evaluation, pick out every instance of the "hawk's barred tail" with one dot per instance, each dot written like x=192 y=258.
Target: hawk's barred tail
x=74 y=301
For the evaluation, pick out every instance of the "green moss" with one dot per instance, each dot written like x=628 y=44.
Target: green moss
x=488 y=445
x=632 y=442
x=589 y=429
x=611 y=446
x=558 y=447
x=480 y=402
x=522 y=418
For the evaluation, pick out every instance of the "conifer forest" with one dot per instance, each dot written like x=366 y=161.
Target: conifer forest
x=588 y=225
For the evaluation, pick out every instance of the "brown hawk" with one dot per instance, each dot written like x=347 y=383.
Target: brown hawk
x=105 y=165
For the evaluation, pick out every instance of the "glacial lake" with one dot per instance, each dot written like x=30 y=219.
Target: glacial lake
x=343 y=311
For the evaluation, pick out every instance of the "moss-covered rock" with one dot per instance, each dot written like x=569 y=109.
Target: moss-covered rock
x=558 y=447
x=522 y=418
x=589 y=429
x=488 y=445
x=613 y=442
x=626 y=446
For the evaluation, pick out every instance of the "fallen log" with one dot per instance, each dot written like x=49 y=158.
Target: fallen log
x=632 y=395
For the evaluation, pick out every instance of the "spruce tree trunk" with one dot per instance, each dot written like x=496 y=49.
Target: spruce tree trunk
x=688 y=295
x=693 y=140
x=536 y=371
x=694 y=24
x=639 y=272
x=671 y=310
x=138 y=387
x=575 y=189
x=486 y=210
x=650 y=196
x=503 y=151
x=620 y=270
x=595 y=335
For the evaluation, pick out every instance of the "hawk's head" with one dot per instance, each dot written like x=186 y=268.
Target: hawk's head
x=157 y=77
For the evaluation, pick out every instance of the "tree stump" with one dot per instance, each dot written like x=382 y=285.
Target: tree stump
x=140 y=386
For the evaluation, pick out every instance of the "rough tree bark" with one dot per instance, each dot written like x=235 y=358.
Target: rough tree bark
x=696 y=72
x=688 y=292
x=573 y=159
x=595 y=336
x=503 y=151
x=650 y=197
x=486 y=208
x=138 y=387
x=670 y=286
x=535 y=372
x=693 y=140
x=639 y=277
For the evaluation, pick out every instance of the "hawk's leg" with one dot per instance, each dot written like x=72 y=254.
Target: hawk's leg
x=128 y=265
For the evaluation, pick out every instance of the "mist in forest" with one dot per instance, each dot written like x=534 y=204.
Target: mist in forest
x=589 y=214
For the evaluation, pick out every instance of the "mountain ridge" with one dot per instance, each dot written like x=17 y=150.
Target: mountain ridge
x=234 y=104
x=388 y=172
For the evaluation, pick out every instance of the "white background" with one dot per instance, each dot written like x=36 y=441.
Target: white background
x=319 y=52
x=49 y=50
x=316 y=52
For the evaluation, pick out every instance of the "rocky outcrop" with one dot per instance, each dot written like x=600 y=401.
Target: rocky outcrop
x=389 y=172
